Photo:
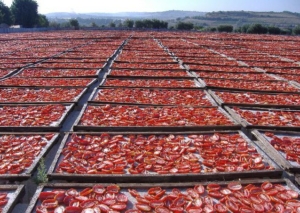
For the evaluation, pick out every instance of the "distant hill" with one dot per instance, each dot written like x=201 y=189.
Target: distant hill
x=165 y=15
x=283 y=19
x=237 y=19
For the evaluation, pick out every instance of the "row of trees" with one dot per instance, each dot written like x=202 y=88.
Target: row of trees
x=157 y=24
x=150 y=24
x=24 y=13
x=256 y=29
x=252 y=29
x=261 y=29
x=143 y=24
x=128 y=23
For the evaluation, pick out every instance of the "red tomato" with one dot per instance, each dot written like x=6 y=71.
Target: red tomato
x=72 y=209
x=118 y=206
x=200 y=189
x=234 y=186
x=213 y=187
x=144 y=207
x=232 y=206
x=161 y=209
x=219 y=207
x=50 y=203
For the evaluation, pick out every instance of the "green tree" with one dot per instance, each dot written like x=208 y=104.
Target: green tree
x=41 y=172
x=238 y=30
x=225 y=28
x=25 y=12
x=213 y=29
x=274 y=30
x=43 y=21
x=199 y=28
x=74 y=23
x=94 y=24
x=157 y=24
x=128 y=23
x=139 y=24
x=5 y=14
x=184 y=26
x=163 y=25
x=151 y=24
x=1 y=16
x=287 y=31
x=296 y=30
x=112 y=24
x=65 y=25
x=245 y=28
x=257 y=29
x=55 y=25
x=148 y=23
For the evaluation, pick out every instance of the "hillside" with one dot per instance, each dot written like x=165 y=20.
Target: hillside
x=235 y=18
x=165 y=15
x=239 y=18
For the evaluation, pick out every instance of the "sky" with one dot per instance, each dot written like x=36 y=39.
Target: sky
x=111 y=6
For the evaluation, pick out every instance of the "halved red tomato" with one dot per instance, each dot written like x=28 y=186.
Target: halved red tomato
x=199 y=188
x=86 y=191
x=59 y=209
x=3 y=202
x=213 y=187
x=60 y=196
x=156 y=203
x=215 y=194
x=268 y=206
x=278 y=208
x=258 y=207
x=235 y=186
x=232 y=206
x=219 y=207
x=46 y=195
x=245 y=209
x=73 y=209
x=88 y=210
x=154 y=190
x=226 y=191
x=50 y=203
x=194 y=210
x=284 y=196
x=208 y=209
x=293 y=203
x=133 y=211
x=88 y=203
x=99 y=189
x=144 y=207
x=40 y=209
x=118 y=206
x=192 y=192
x=72 y=192
x=122 y=198
x=161 y=209
x=176 y=209
x=103 y=207
x=292 y=193
x=134 y=193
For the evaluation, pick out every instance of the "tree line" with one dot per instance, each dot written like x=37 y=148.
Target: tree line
x=24 y=13
x=256 y=29
x=249 y=28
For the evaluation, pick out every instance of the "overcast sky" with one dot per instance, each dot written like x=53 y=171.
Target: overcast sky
x=84 y=6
